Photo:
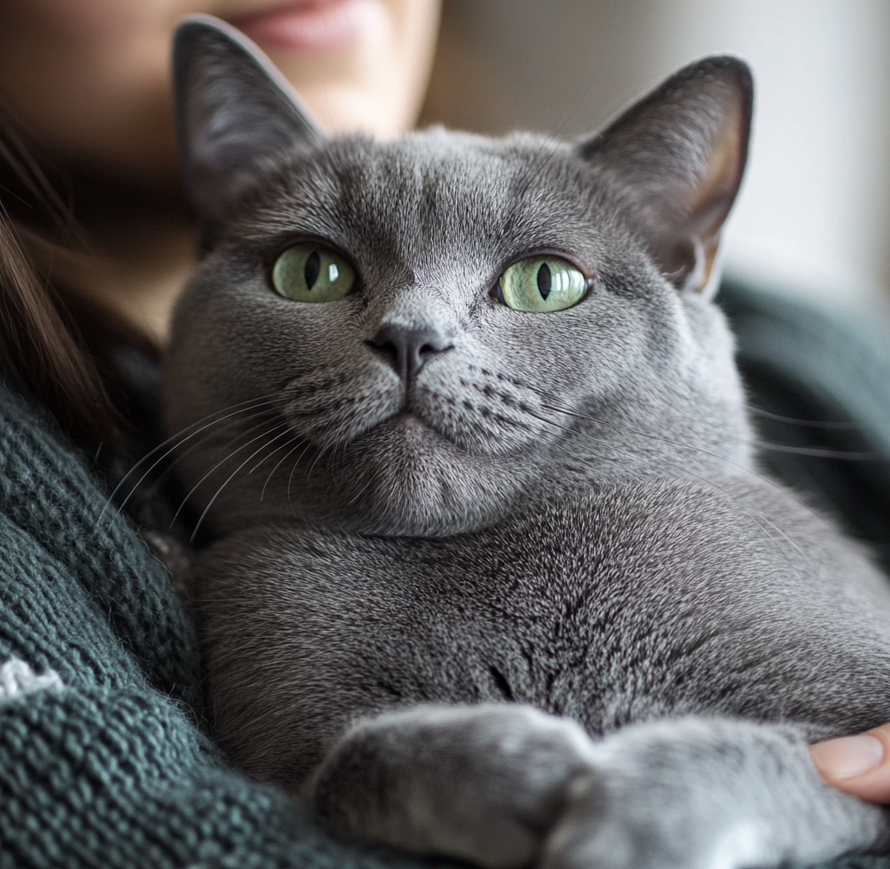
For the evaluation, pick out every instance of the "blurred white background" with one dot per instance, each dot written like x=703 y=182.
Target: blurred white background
x=814 y=213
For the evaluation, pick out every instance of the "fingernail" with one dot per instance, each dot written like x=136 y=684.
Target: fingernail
x=848 y=756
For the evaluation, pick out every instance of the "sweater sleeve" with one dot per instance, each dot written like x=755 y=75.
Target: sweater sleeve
x=103 y=777
x=101 y=763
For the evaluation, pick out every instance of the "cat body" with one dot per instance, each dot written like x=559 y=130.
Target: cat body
x=609 y=608
x=486 y=577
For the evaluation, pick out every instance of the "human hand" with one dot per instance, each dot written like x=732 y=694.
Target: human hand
x=857 y=765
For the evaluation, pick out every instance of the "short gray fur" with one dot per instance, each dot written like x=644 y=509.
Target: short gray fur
x=535 y=604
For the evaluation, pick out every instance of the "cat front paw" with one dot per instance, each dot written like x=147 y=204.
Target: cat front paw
x=611 y=825
x=509 y=786
x=483 y=783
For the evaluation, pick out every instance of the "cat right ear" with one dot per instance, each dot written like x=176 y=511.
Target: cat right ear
x=233 y=108
x=678 y=154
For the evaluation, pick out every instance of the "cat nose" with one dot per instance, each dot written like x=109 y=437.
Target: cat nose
x=409 y=348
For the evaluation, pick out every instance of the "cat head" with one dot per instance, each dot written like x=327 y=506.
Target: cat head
x=415 y=337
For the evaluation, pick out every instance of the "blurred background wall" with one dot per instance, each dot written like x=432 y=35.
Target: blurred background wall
x=814 y=213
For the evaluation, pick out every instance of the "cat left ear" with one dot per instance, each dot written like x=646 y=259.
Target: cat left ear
x=680 y=153
x=233 y=108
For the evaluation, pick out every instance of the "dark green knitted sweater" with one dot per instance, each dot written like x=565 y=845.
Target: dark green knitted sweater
x=109 y=770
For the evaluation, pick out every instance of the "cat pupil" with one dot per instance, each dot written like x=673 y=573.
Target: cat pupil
x=544 y=280
x=312 y=269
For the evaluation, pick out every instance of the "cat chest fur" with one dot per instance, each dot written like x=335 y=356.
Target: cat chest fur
x=611 y=608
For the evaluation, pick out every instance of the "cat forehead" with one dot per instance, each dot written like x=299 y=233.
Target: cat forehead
x=443 y=186
x=437 y=158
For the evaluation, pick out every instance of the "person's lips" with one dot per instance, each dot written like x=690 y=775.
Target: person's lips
x=309 y=25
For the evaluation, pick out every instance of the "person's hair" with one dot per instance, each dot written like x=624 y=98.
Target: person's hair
x=41 y=353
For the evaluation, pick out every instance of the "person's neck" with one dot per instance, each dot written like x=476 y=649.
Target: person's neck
x=136 y=266
x=138 y=255
x=125 y=253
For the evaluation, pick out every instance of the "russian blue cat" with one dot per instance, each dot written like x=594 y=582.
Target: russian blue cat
x=491 y=570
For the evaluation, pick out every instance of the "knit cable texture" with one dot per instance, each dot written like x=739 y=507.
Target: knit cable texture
x=101 y=764
x=18 y=679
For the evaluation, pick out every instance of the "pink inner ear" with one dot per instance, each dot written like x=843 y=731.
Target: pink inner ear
x=709 y=201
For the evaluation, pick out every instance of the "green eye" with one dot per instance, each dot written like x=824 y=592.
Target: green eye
x=542 y=284
x=310 y=273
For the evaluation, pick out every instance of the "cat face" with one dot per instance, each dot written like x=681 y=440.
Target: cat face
x=413 y=337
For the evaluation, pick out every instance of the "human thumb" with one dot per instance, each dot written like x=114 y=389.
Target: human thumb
x=858 y=765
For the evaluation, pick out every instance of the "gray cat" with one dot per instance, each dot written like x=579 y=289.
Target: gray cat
x=492 y=571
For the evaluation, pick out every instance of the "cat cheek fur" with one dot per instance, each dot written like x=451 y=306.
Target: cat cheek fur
x=490 y=583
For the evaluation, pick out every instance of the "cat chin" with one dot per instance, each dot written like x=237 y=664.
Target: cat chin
x=403 y=478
